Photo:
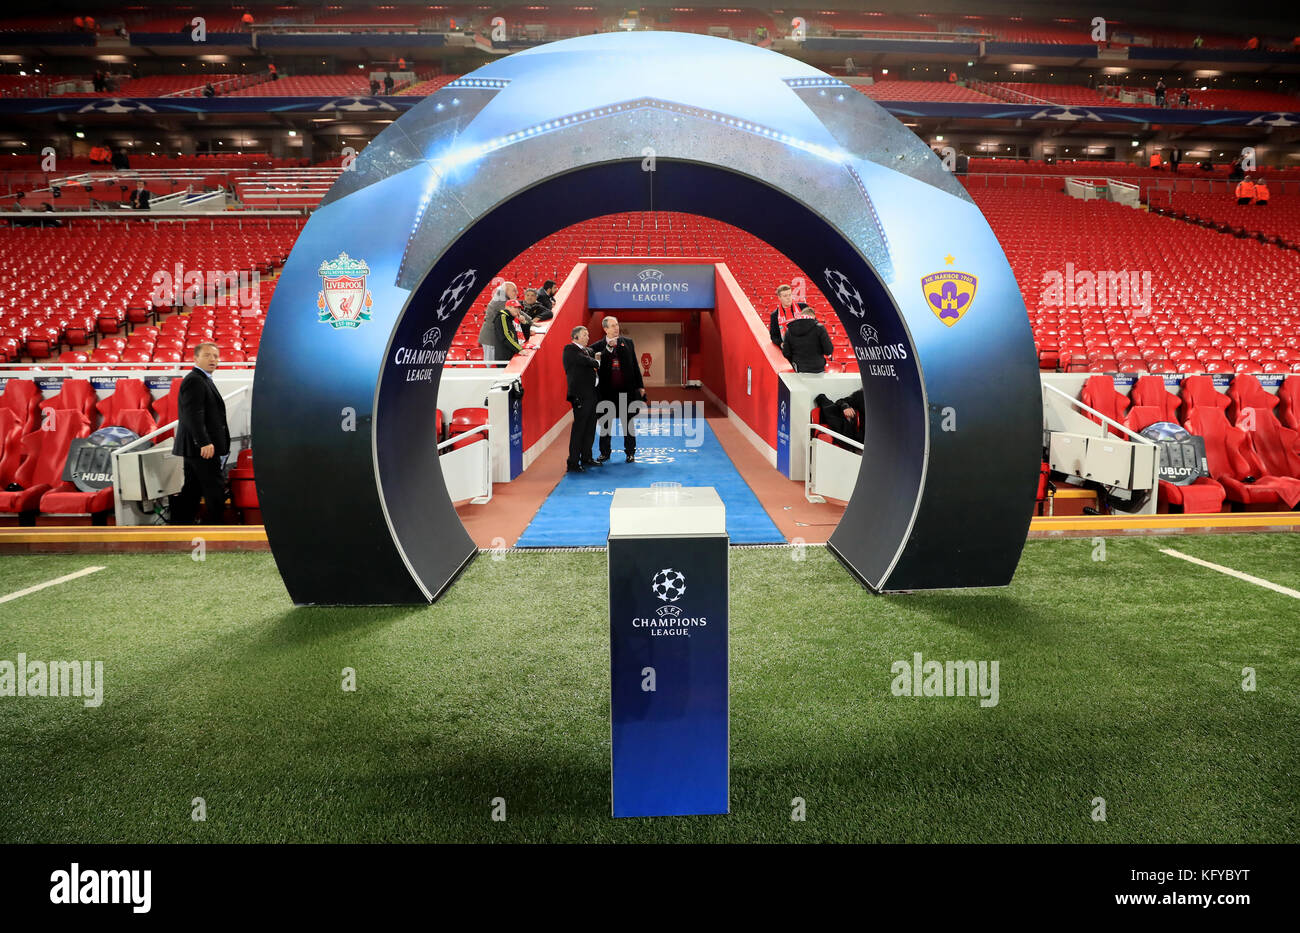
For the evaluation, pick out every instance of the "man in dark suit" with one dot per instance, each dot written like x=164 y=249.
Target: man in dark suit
x=140 y=197
x=580 y=369
x=203 y=439
x=619 y=388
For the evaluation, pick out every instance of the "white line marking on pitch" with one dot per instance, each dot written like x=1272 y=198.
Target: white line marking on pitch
x=41 y=586
x=1285 y=591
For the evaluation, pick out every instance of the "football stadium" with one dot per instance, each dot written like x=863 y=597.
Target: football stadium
x=534 y=423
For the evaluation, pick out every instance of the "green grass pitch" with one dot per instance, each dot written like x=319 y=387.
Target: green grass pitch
x=1119 y=679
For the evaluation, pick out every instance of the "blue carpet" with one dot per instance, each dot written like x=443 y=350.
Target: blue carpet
x=576 y=513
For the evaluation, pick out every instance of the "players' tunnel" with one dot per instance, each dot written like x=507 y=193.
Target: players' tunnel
x=526 y=146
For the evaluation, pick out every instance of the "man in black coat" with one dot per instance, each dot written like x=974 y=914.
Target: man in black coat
x=140 y=197
x=786 y=311
x=806 y=343
x=580 y=369
x=546 y=298
x=620 y=387
x=203 y=439
x=842 y=417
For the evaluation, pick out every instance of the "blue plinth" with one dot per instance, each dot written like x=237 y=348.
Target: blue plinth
x=668 y=607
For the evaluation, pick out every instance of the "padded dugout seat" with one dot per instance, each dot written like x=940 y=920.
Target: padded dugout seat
x=128 y=395
x=45 y=452
x=23 y=398
x=1099 y=393
x=1288 y=409
x=1203 y=494
x=1277 y=446
x=74 y=395
x=1150 y=391
x=1199 y=392
x=1232 y=460
x=1246 y=392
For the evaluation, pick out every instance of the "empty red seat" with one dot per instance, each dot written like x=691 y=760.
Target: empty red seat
x=1202 y=495
x=1288 y=409
x=1277 y=446
x=1150 y=391
x=23 y=398
x=464 y=420
x=128 y=395
x=1235 y=465
x=76 y=395
x=1246 y=392
x=45 y=452
x=167 y=407
x=1099 y=394
x=1199 y=392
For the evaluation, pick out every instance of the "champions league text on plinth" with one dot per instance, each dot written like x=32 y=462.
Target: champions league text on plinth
x=668 y=608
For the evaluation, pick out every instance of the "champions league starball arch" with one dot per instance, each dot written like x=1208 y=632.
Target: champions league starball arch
x=346 y=389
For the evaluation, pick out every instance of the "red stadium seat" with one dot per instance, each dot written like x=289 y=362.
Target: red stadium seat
x=23 y=398
x=1203 y=494
x=1199 y=391
x=1246 y=392
x=1150 y=391
x=167 y=407
x=76 y=395
x=128 y=394
x=1099 y=394
x=1235 y=465
x=45 y=452
x=1288 y=409
x=1277 y=447
x=466 y=419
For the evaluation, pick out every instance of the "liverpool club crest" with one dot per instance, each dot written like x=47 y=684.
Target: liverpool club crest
x=343 y=300
x=949 y=294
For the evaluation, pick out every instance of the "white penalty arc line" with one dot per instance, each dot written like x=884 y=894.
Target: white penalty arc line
x=1285 y=591
x=40 y=586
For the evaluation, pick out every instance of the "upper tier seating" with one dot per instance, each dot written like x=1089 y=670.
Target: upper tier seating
x=924 y=90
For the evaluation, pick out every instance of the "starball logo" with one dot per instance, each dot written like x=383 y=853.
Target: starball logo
x=669 y=586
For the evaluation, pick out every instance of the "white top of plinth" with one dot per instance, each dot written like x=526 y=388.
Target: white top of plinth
x=692 y=510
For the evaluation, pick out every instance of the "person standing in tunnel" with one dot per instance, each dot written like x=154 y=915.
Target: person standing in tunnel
x=787 y=310
x=806 y=343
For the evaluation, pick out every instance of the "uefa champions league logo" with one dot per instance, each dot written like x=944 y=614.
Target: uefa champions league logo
x=843 y=289
x=669 y=585
x=451 y=295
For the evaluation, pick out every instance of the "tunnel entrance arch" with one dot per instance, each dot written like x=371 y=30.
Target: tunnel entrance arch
x=388 y=266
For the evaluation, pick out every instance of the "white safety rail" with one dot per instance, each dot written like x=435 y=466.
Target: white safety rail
x=294 y=187
x=832 y=470
x=467 y=470
x=150 y=473
x=1083 y=448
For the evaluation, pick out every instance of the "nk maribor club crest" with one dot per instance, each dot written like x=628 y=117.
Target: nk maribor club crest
x=343 y=300
x=949 y=294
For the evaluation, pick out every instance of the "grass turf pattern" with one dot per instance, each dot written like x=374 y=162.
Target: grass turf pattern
x=1118 y=678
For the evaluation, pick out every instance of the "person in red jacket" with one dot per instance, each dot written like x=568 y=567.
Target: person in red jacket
x=786 y=310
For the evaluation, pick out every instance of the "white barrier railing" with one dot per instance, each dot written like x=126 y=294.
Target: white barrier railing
x=813 y=483
x=470 y=451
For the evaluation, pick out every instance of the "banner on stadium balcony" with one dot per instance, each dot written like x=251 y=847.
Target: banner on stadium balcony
x=667 y=287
